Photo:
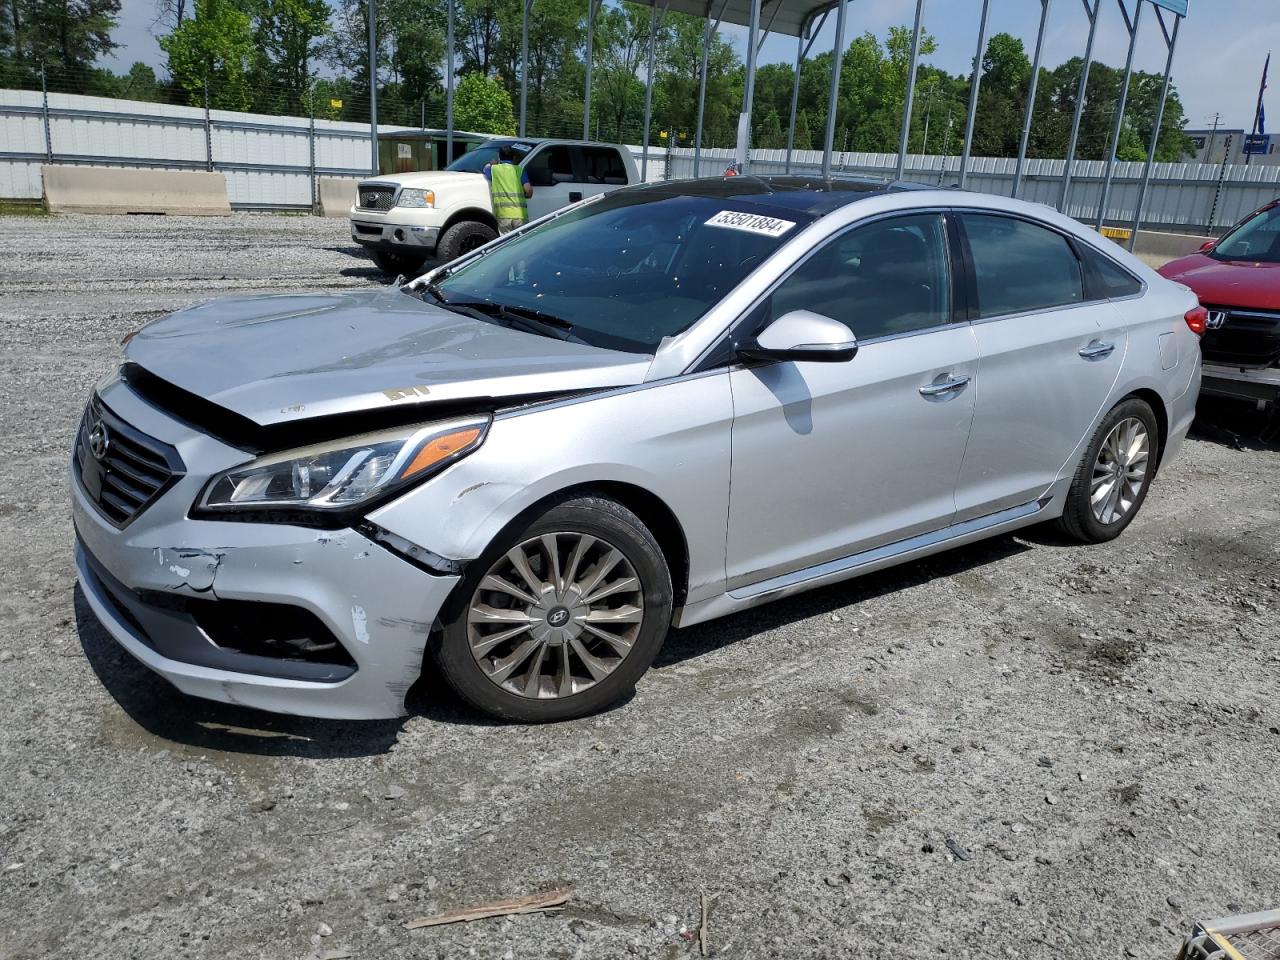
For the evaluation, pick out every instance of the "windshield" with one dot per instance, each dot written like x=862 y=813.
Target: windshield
x=474 y=160
x=1256 y=239
x=630 y=269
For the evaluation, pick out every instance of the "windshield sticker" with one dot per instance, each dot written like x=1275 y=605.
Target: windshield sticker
x=751 y=223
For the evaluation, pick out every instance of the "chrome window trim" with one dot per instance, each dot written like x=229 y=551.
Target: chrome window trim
x=1072 y=239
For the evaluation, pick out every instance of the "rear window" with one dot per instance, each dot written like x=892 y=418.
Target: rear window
x=604 y=165
x=1020 y=267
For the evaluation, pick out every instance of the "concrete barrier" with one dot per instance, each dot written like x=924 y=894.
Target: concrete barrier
x=336 y=195
x=75 y=189
x=1169 y=245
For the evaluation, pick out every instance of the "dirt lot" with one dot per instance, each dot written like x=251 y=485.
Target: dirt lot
x=1023 y=748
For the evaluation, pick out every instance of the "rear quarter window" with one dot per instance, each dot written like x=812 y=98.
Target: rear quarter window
x=1105 y=278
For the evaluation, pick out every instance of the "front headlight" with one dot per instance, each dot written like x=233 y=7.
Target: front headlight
x=337 y=476
x=416 y=198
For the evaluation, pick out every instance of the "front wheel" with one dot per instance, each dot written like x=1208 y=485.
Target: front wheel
x=558 y=619
x=1115 y=474
x=462 y=238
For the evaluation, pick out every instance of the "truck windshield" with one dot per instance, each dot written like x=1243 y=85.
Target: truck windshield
x=630 y=269
x=1257 y=239
x=474 y=160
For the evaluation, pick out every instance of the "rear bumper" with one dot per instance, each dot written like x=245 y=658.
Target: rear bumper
x=1243 y=384
x=394 y=237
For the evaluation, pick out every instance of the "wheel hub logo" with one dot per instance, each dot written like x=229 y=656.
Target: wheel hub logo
x=558 y=617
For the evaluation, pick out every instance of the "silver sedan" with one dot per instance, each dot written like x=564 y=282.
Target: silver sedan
x=654 y=408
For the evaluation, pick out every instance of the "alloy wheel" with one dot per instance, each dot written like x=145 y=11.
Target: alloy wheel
x=1120 y=471
x=555 y=615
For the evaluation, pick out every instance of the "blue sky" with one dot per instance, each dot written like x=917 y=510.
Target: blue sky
x=1218 y=65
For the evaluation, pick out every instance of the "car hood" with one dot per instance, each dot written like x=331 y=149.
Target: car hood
x=1228 y=283
x=275 y=359
x=431 y=179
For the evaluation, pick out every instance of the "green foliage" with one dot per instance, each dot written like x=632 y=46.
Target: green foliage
x=66 y=37
x=216 y=47
x=481 y=104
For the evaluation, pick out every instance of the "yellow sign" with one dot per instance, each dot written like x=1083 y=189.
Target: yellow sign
x=335 y=104
x=662 y=134
x=1116 y=233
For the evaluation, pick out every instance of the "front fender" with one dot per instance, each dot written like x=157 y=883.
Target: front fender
x=669 y=438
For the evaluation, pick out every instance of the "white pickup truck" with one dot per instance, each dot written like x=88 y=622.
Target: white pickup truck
x=405 y=219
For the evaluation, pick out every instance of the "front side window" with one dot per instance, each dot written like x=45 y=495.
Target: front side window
x=550 y=165
x=1256 y=240
x=1020 y=267
x=630 y=269
x=882 y=279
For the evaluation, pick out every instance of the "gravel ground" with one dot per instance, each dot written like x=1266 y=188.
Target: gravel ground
x=1022 y=748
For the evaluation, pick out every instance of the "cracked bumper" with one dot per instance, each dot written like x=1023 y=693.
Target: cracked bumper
x=378 y=606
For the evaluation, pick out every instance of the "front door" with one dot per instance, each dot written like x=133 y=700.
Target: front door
x=550 y=169
x=1049 y=358
x=830 y=459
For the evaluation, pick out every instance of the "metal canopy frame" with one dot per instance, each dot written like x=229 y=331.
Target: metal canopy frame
x=804 y=20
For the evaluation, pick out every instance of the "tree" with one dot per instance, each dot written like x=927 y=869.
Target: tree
x=289 y=35
x=481 y=104
x=66 y=37
x=214 y=47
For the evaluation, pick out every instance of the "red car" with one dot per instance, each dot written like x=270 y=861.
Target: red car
x=1238 y=280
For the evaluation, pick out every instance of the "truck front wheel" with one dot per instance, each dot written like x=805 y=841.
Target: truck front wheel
x=462 y=238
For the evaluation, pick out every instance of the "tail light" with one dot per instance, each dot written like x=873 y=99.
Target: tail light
x=1197 y=319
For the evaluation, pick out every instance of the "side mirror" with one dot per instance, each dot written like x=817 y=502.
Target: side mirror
x=1207 y=246
x=803 y=335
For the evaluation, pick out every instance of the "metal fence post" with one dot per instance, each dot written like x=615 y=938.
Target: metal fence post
x=1118 y=128
x=524 y=60
x=1031 y=99
x=1222 y=176
x=742 y=151
x=1172 y=41
x=833 y=97
x=974 y=86
x=373 y=88
x=1080 y=96
x=909 y=98
x=311 y=143
x=448 y=106
x=208 y=131
x=592 y=7
x=44 y=112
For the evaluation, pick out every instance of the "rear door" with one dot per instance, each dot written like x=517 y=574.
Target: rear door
x=1048 y=359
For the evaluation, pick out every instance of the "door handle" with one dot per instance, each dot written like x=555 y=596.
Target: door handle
x=940 y=388
x=1097 y=350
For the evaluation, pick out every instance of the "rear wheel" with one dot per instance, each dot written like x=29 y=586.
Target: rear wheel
x=560 y=618
x=1115 y=474
x=462 y=238
x=395 y=264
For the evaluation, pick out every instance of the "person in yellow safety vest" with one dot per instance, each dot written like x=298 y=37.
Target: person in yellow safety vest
x=509 y=189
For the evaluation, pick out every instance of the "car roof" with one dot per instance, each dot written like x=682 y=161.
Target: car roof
x=812 y=195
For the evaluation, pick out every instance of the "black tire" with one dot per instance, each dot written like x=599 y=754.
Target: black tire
x=394 y=264
x=598 y=517
x=1078 y=520
x=463 y=238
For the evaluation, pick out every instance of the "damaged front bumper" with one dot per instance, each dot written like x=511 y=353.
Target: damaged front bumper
x=291 y=619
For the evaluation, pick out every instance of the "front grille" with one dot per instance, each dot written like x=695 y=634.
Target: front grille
x=373 y=196
x=1247 y=338
x=120 y=469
